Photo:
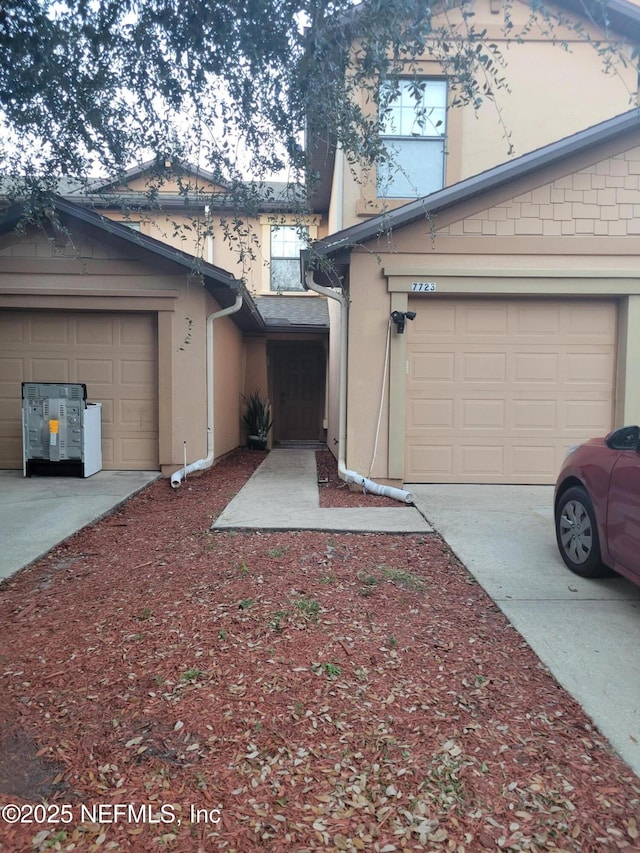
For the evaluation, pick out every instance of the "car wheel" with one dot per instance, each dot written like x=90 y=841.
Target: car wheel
x=577 y=534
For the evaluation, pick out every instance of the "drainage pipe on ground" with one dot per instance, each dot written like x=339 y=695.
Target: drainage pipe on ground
x=344 y=473
x=202 y=464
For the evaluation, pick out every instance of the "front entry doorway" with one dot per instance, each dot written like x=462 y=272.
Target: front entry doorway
x=298 y=374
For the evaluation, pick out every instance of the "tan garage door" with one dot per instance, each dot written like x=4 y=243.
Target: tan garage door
x=497 y=390
x=115 y=355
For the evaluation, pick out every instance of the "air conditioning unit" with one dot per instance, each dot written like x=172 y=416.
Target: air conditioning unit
x=61 y=431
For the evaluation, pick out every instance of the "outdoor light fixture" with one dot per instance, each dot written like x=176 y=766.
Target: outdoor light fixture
x=399 y=318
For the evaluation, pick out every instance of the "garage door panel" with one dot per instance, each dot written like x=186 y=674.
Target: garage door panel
x=536 y=320
x=435 y=366
x=482 y=414
x=113 y=354
x=485 y=320
x=535 y=367
x=483 y=367
x=425 y=414
x=10 y=331
x=49 y=329
x=95 y=371
x=134 y=454
x=529 y=460
x=590 y=323
x=95 y=332
x=132 y=331
x=436 y=459
x=535 y=414
x=136 y=372
x=137 y=415
x=44 y=369
x=482 y=460
x=588 y=367
x=505 y=406
x=589 y=415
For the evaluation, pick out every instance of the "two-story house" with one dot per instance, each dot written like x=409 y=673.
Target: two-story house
x=508 y=232
x=485 y=326
x=172 y=308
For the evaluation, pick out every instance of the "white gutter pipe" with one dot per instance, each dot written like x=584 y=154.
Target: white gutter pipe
x=343 y=472
x=202 y=464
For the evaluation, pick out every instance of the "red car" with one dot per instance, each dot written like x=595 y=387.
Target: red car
x=597 y=506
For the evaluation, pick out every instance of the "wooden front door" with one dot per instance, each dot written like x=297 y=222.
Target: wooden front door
x=298 y=391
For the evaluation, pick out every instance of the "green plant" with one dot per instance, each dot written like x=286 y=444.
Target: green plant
x=404 y=578
x=309 y=607
x=246 y=603
x=277 y=552
x=278 y=616
x=187 y=337
x=257 y=415
x=330 y=669
x=192 y=674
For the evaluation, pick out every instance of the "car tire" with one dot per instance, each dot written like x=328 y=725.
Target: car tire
x=577 y=534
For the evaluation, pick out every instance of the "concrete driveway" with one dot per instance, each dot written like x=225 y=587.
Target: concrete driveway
x=37 y=513
x=586 y=632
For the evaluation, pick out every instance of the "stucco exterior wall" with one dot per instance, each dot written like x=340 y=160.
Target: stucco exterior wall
x=333 y=376
x=241 y=256
x=228 y=363
x=100 y=275
x=553 y=90
x=369 y=312
x=570 y=234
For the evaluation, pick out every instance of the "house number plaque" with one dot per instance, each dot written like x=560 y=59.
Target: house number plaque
x=423 y=286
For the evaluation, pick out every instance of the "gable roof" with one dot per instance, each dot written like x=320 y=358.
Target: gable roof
x=549 y=155
x=198 y=187
x=222 y=285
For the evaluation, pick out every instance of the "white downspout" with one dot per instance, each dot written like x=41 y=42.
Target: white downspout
x=343 y=472
x=202 y=464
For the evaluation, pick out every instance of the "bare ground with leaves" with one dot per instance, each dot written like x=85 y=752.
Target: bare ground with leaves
x=322 y=691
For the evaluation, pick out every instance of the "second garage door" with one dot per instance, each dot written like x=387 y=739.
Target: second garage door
x=115 y=355
x=497 y=390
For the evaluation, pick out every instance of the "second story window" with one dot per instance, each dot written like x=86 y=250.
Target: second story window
x=286 y=243
x=413 y=129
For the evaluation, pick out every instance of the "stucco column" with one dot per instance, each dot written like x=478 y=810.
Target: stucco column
x=165 y=386
x=397 y=392
x=628 y=385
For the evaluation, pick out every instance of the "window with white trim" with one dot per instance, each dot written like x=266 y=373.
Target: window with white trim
x=413 y=130
x=287 y=241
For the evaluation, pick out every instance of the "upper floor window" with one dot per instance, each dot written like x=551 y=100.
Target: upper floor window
x=286 y=243
x=413 y=117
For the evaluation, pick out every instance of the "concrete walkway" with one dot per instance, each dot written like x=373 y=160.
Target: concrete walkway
x=587 y=632
x=283 y=495
x=37 y=513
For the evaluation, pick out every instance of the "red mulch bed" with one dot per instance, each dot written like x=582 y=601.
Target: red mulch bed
x=322 y=691
x=334 y=492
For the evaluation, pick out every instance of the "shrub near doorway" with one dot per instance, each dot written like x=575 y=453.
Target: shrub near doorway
x=257 y=420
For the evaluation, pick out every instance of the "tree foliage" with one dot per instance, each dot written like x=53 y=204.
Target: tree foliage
x=95 y=85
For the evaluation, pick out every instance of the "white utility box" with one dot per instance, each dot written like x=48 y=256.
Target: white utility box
x=61 y=431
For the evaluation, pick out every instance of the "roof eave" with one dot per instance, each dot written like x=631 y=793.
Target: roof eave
x=492 y=179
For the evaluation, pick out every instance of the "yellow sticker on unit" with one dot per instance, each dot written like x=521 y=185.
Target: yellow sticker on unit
x=54 y=427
